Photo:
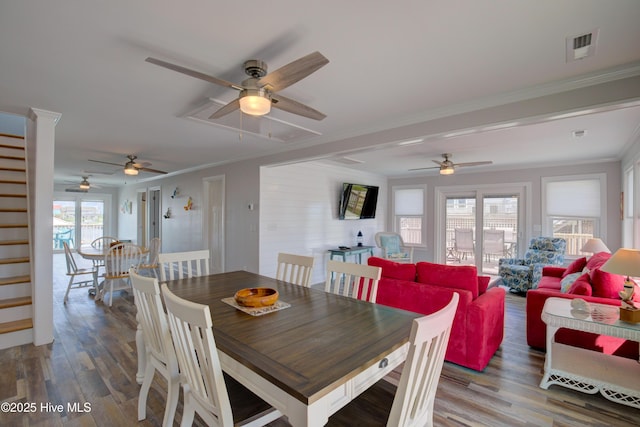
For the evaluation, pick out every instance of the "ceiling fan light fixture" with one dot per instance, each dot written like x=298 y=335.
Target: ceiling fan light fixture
x=130 y=169
x=255 y=102
x=446 y=170
x=84 y=184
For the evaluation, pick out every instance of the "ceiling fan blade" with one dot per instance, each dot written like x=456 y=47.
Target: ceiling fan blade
x=92 y=172
x=106 y=163
x=421 y=169
x=152 y=170
x=437 y=163
x=295 y=107
x=140 y=165
x=473 y=163
x=223 y=111
x=293 y=72
x=193 y=73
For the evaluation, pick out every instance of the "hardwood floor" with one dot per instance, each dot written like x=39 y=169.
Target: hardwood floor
x=93 y=361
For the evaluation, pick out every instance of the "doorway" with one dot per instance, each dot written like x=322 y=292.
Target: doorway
x=213 y=222
x=480 y=226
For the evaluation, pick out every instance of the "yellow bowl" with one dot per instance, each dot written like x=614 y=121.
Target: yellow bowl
x=256 y=297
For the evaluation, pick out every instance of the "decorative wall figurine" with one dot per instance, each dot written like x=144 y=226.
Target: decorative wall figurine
x=175 y=193
x=189 y=205
x=168 y=214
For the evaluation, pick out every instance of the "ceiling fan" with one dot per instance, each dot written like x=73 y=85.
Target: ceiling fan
x=447 y=167
x=132 y=167
x=83 y=187
x=258 y=93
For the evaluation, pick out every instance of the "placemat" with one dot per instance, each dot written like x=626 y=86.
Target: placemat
x=257 y=311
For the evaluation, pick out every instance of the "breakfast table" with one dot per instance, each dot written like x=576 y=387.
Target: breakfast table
x=310 y=354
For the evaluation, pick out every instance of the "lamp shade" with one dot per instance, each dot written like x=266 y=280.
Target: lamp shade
x=625 y=262
x=594 y=246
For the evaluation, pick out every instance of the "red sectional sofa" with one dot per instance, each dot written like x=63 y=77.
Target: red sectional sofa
x=478 y=326
x=592 y=285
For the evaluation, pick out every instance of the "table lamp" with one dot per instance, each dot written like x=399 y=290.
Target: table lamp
x=594 y=246
x=626 y=262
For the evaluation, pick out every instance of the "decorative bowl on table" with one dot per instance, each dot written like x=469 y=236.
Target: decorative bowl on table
x=256 y=297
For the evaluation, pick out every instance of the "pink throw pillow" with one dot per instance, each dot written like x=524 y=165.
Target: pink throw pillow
x=575 y=267
x=581 y=286
x=597 y=260
x=483 y=284
x=606 y=285
x=394 y=270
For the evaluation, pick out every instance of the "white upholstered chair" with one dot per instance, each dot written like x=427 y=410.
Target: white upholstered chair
x=180 y=265
x=159 y=353
x=295 y=269
x=88 y=277
x=393 y=247
x=353 y=280
x=117 y=262
x=415 y=396
x=205 y=388
x=151 y=263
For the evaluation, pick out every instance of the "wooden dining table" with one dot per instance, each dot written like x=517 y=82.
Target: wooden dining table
x=307 y=360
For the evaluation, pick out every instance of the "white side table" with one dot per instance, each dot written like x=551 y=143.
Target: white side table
x=616 y=378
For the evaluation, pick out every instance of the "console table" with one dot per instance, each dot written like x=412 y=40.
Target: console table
x=615 y=377
x=355 y=250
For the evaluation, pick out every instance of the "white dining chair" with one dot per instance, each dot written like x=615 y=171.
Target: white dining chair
x=204 y=386
x=151 y=263
x=102 y=244
x=353 y=280
x=295 y=269
x=415 y=396
x=180 y=265
x=74 y=272
x=117 y=262
x=159 y=353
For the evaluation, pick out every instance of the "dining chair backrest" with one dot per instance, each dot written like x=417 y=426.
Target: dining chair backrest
x=119 y=258
x=159 y=352
x=353 y=280
x=415 y=395
x=103 y=242
x=72 y=267
x=151 y=262
x=295 y=269
x=180 y=265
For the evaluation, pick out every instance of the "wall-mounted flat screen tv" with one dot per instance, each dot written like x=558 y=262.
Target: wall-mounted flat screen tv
x=358 y=201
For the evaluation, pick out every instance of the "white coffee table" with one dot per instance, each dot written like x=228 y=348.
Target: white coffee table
x=616 y=378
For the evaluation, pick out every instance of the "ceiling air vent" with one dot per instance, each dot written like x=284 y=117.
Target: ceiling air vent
x=581 y=46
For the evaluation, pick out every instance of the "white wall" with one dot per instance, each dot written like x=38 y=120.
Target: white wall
x=299 y=213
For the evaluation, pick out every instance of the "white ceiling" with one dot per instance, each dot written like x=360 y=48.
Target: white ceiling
x=391 y=64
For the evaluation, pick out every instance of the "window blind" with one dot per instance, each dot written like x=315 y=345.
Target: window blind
x=409 y=201
x=579 y=198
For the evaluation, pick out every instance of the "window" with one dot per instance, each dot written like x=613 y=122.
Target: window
x=408 y=205
x=573 y=209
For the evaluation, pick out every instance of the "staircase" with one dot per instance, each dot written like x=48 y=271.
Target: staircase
x=16 y=324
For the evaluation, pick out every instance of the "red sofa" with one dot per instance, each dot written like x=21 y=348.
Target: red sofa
x=592 y=285
x=478 y=326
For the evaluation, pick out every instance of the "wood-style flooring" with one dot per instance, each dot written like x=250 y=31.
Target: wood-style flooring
x=93 y=361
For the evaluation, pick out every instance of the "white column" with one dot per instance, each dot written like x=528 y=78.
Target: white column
x=40 y=140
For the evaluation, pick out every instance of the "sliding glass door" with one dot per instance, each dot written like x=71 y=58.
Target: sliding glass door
x=478 y=227
x=79 y=220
